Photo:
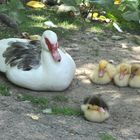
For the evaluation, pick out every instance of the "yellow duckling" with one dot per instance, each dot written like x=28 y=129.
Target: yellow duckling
x=30 y=37
x=103 y=73
x=95 y=109
x=122 y=75
x=134 y=80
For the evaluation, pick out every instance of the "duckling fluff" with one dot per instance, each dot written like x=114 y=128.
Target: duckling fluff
x=134 y=80
x=95 y=109
x=122 y=75
x=103 y=73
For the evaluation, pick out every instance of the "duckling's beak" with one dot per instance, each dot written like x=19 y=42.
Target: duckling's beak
x=101 y=109
x=121 y=76
x=101 y=73
x=132 y=75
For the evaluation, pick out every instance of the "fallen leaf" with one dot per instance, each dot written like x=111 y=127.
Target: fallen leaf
x=33 y=116
x=35 y=4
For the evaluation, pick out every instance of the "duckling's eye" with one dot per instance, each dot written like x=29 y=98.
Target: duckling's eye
x=135 y=70
x=104 y=67
x=88 y=107
x=125 y=69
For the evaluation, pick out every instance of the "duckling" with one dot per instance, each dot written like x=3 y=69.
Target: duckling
x=122 y=75
x=103 y=73
x=134 y=80
x=95 y=109
x=30 y=37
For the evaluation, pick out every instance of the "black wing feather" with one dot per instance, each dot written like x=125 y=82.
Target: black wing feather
x=24 y=55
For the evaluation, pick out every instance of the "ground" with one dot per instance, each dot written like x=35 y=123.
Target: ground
x=87 y=48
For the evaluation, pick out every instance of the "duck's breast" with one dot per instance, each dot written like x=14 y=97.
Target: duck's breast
x=60 y=74
x=123 y=82
x=100 y=80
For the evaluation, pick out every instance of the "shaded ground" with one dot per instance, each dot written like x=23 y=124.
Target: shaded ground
x=87 y=48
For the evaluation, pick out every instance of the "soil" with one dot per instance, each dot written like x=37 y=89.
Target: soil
x=86 y=48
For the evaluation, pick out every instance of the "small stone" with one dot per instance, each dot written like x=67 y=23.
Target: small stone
x=115 y=37
x=47 y=111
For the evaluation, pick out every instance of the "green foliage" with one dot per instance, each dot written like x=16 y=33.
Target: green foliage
x=4 y=90
x=130 y=10
x=105 y=136
x=35 y=100
x=60 y=98
x=65 y=111
x=13 y=9
x=72 y=2
x=101 y=2
x=13 y=5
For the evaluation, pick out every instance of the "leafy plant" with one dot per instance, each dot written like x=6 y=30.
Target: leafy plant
x=130 y=10
x=105 y=136
x=72 y=2
x=13 y=9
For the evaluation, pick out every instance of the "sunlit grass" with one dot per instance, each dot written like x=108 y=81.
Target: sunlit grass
x=67 y=25
x=37 y=18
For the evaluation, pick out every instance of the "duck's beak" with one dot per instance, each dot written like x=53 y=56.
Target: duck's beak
x=101 y=73
x=55 y=54
x=53 y=48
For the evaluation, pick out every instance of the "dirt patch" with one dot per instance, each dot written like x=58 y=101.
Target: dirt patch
x=86 y=48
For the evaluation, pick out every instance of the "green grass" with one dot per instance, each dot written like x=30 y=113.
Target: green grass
x=60 y=98
x=43 y=103
x=4 y=90
x=35 y=100
x=65 y=111
x=106 y=136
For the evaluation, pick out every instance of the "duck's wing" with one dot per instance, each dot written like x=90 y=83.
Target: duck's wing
x=24 y=55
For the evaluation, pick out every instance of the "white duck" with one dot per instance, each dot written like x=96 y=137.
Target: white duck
x=27 y=65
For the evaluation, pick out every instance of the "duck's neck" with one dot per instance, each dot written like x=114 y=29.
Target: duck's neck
x=45 y=54
x=47 y=59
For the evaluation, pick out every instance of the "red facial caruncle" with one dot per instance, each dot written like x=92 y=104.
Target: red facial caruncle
x=53 y=48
